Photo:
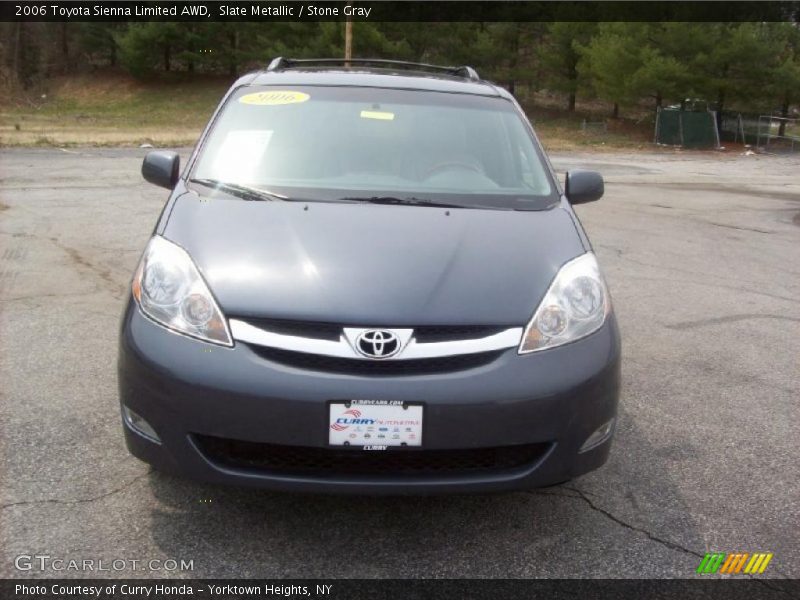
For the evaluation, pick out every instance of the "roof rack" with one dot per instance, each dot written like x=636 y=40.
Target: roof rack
x=281 y=63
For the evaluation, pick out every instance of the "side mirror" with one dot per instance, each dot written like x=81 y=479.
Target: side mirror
x=583 y=186
x=161 y=168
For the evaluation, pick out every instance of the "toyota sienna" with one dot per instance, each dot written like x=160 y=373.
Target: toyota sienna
x=367 y=279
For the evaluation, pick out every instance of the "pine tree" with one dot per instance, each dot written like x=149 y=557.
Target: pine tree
x=561 y=55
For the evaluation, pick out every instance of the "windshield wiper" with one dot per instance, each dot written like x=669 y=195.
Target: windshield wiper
x=242 y=191
x=411 y=201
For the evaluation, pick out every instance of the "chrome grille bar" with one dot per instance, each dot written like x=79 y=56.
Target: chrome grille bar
x=343 y=348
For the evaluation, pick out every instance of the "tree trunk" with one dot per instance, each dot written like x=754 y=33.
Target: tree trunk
x=192 y=48
x=784 y=114
x=720 y=106
x=572 y=75
x=64 y=48
x=18 y=51
x=232 y=66
x=659 y=100
x=512 y=66
x=166 y=58
x=615 y=112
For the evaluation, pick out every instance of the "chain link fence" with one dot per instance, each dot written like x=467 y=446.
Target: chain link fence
x=778 y=134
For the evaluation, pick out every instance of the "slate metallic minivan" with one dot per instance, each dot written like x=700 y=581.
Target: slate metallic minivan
x=367 y=279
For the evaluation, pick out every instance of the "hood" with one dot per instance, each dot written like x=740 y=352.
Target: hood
x=374 y=265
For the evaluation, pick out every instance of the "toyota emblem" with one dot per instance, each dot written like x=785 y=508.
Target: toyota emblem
x=378 y=343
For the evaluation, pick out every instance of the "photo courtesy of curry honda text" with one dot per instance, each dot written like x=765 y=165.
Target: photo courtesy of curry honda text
x=367 y=279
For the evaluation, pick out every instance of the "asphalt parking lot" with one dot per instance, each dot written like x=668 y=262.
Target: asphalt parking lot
x=702 y=254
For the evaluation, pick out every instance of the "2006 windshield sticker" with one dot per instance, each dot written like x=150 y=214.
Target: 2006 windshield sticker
x=274 y=97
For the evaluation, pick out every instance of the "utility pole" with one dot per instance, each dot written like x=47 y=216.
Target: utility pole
x=348 y=39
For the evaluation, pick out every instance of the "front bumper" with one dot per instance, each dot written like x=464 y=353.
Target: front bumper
x=188 y=390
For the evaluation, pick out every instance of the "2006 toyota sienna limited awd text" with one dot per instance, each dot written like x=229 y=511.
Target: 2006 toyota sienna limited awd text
x=367 y=279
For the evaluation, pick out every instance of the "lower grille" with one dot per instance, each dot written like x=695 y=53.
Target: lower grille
x=353 y=366
x=302 y=460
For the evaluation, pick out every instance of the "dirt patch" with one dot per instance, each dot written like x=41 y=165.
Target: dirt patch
x=91 y=90
x=64 y=135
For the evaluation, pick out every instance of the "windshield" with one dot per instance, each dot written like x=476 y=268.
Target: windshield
x=355 y=144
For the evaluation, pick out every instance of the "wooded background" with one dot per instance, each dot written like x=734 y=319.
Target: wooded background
x=742 y=66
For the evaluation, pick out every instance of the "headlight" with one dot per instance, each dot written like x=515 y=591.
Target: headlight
x=575 y=305
x=169 y=289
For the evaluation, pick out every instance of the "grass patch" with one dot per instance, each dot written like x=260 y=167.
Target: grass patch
x=112 y=111
x=560 y=130
x=562 y=135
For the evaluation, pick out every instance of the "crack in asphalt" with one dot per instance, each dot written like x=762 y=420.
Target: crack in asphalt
x=739 y=228
x=577 y=494
x=704 y=283
x=78 y=500
x=582 y=495
x=671 y=545
x=727 y=319
x=690 y=186
x=624 y=254
x=32 y=297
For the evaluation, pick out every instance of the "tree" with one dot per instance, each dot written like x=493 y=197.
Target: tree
x=737 y=64
x=97 y=42
x=509 y=52
x=561 y=54
x=609 y=61
x=657 y=76
x=296 y=40
x=412 y=40
x=785 y=78
x=143 y=46
x=630 y=61
x=27 y=56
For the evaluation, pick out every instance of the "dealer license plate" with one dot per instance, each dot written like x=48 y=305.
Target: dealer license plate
x=374 y=424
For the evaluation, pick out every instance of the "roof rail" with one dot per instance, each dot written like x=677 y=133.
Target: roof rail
x=276 y=64
x=281 y=63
